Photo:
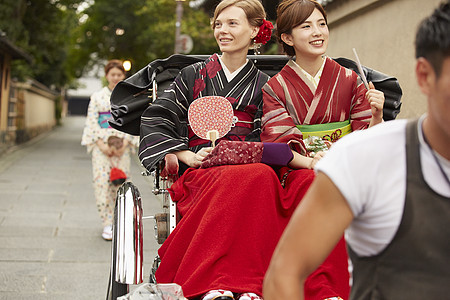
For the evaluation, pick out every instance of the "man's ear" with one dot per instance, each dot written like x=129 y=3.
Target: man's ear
x=425 y=75
x=287 y=38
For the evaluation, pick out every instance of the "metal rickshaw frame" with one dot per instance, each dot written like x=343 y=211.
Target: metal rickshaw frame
x=128 y=101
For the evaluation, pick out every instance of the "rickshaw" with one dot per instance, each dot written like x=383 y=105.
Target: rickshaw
x=129 y=99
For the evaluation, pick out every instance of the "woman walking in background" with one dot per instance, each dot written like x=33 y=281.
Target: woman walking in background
x=109 y=148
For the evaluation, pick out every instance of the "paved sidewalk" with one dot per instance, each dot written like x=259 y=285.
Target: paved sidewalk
x=50 y=233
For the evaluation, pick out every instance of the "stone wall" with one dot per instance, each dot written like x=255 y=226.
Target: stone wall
x=383 y=33
x=31 y=112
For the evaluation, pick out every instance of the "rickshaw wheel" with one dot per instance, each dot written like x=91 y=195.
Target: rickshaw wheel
x=115 y=289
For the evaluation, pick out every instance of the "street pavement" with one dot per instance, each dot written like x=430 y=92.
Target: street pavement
x=50 y=233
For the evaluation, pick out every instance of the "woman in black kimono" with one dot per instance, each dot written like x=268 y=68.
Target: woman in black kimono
x=231 y=218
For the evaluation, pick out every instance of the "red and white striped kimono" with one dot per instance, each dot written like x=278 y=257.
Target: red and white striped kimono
x=291 y=99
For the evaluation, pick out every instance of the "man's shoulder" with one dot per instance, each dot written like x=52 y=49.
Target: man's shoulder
x=383 y=141
x=383 y=131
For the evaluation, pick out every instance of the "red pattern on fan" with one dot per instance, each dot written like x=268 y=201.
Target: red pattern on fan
x=210 y=113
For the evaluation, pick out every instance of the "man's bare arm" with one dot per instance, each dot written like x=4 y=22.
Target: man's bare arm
x=315 y=228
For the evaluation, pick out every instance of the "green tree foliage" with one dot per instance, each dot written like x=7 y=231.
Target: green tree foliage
x=137 y=30
x=40 y=28
x=11 y=16
x=65 y=41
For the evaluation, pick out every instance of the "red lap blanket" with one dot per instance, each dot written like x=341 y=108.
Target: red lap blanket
x=232 y=219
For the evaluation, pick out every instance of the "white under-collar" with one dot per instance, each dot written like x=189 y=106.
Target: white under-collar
x=314 y=79
x=227 y=72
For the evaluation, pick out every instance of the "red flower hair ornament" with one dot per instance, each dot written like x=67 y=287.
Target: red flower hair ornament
x=264 y=33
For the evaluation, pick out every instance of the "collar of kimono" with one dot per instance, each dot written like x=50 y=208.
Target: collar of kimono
x=227 y=72
x=313 y=79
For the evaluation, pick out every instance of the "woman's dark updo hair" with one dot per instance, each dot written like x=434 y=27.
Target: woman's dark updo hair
x=114 y=63
x=290 y=14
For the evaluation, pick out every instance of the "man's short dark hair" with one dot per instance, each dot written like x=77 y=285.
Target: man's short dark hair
x=433 y=37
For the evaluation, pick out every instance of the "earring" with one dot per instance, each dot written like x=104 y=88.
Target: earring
x=256 y=47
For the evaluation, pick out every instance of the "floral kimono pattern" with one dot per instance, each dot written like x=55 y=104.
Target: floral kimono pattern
x=97 y=127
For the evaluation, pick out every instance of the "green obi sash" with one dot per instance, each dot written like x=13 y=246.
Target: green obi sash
x=329 y=131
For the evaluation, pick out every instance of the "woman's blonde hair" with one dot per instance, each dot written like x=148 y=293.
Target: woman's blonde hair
x=253 y=9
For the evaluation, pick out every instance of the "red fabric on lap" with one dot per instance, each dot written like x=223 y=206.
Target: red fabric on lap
x=232 y=219
x=226 y=236
x=331 y=278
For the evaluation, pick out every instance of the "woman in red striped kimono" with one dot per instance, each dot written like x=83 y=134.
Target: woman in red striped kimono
x=314 y=96
x=230 y=217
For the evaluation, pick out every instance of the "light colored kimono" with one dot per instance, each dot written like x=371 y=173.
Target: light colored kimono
x=97 y=127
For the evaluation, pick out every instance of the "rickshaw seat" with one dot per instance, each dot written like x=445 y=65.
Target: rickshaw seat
x=132 y=96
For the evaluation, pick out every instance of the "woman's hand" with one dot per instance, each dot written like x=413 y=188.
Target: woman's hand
x=202 y=153
x=376 y=101
x=104 y=148
x=119 y=152
x=303 y=162
x=315 y=159
x=193 y=160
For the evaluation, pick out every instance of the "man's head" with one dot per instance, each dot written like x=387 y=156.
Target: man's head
x=433 y=37
x=433 y=75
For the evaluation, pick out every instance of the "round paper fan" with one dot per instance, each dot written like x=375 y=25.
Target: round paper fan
x=210 y=113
